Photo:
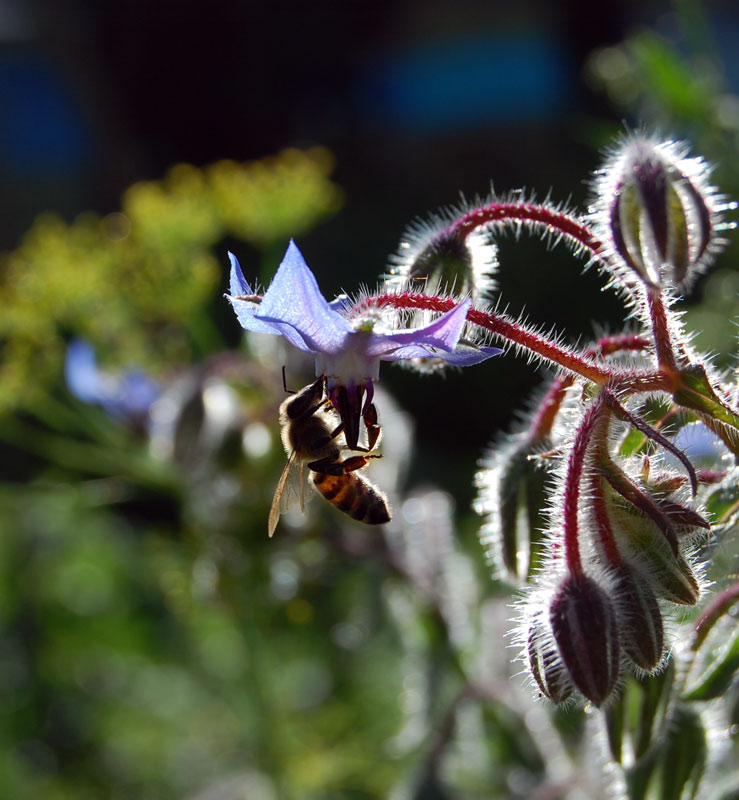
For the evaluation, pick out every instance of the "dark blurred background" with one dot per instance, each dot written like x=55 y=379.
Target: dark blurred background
x=417 y=100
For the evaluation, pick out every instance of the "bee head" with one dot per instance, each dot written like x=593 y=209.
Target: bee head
x=306 y=400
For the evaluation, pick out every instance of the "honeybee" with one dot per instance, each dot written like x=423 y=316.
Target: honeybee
x=311 y=442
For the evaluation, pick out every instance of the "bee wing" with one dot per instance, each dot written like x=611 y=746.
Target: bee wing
x=275 y=510
x=301 y=487
x=296 y=486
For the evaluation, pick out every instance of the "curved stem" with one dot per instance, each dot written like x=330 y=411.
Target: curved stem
x=499 y=325
x=603 y=521
x=575 y=472
x=655 y=436
x=547 y=349
x=556 y=222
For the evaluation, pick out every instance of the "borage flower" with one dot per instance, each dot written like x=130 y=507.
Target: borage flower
x=126 y=396
x=347 y=340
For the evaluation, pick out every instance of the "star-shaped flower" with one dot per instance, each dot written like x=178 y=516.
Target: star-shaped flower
x=348 y=344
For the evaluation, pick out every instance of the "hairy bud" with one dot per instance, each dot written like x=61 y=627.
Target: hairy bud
x=640 y=619
x=511 y=496
x=546 y=665
x=656 y=212
x=437 y=257
x=584 y=625
x=671 y=576
x=442 y=259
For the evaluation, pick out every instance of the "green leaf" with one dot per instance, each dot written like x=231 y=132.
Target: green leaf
x=614 y=717
x=697 y=393
x=510 y=497
x=722 y=505
x=655 y=696
x=719 y=675
x=683 y=755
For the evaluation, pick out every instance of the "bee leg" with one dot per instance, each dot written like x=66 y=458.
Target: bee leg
x=326 y=466
x=336 y=431
x=373 y=429
x=357 y=462
x=324 y=440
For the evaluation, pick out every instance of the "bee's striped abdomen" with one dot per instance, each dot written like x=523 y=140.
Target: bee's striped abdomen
x=355 y=496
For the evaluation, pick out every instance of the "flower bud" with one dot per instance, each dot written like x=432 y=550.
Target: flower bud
x=584 y=625
x=652 y=556
x=442 y=259
x=671 y=576
x=511 y=497
x=640 y=619
x=546 y=665
x=656 y=212
x=437 y=257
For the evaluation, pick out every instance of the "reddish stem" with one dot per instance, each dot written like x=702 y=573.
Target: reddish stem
x=557 y=222
x=661 y=330
x=655 y=436
x=543 y=421
x=603 y=521
x=632 y=381
x=499 y=325
x=575 y=471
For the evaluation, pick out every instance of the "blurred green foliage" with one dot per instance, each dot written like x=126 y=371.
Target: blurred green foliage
x=138 y=282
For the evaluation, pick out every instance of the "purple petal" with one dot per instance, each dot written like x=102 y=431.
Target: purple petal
x=124 y=396
x=246 y=310
x=466 y=356
x=461 y=356
x=294 y=304
x=442 y=333
x=245 y=313
x=138 y=392
x=238 y=285
x=81 y=372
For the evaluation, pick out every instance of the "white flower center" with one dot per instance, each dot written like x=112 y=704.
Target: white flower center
x=352 y=365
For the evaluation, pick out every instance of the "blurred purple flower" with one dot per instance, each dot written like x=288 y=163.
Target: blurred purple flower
x=126 y=396
x=348 y=346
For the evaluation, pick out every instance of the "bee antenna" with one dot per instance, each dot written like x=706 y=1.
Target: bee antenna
x=284 y=382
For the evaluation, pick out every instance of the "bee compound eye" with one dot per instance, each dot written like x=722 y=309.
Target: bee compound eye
x=308 y=397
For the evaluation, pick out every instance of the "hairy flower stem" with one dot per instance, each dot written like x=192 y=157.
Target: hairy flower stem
x=603 y=521
x=575 y=471
x=541 y=425
x=661 y=331
x=654 y=435
x=579 y=363
x=558 y=223
x=500 y=325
